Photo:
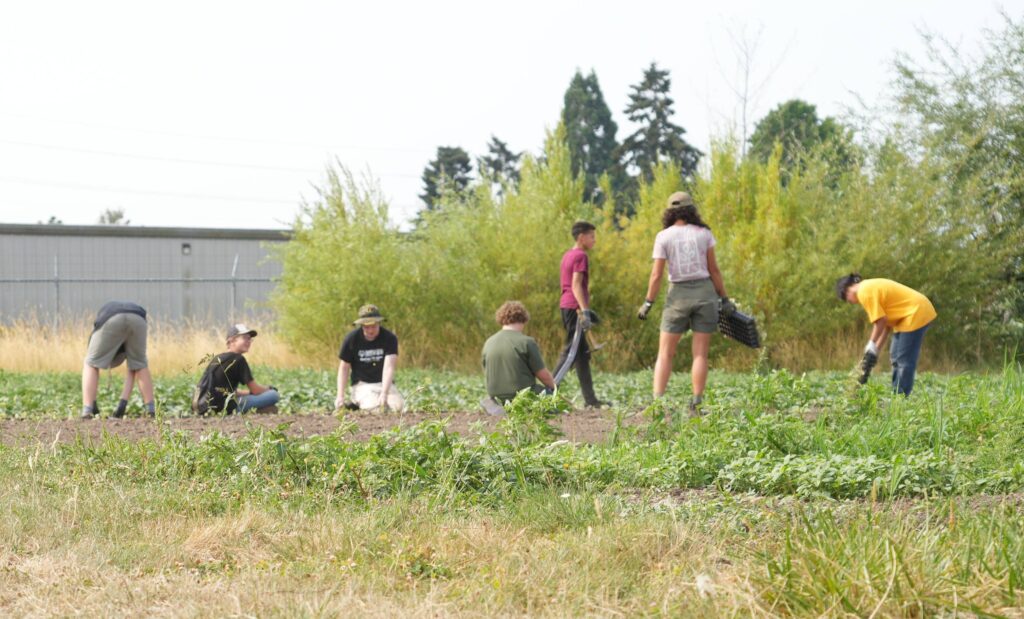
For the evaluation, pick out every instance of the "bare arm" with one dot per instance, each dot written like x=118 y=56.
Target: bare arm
x=578 y=291
x=545 y=377
x=880 y=332
x=388 y=375
x=343 y=371
x=716 y=275
x=654 y=284
x=255 y=388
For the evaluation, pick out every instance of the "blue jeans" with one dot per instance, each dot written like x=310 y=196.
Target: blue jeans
x=249 y=402
x=904 y=352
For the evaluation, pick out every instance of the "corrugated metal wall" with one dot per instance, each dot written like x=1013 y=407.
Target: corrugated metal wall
x=124 y=253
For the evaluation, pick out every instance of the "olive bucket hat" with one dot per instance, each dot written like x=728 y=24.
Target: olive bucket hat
x=368 y=314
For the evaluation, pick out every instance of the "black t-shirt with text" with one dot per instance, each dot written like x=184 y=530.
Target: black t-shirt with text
x=367 y=358
x=228 y=371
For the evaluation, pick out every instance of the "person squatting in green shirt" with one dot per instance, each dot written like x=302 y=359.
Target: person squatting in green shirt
x=512 y=360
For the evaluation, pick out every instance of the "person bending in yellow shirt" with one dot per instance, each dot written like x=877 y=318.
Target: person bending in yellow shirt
x=892 y=308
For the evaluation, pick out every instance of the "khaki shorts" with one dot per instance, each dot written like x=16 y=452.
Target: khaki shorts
x=366 y=395
x=105 y=344
x=691 y=305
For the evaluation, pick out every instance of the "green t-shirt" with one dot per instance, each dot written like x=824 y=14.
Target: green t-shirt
x=511 y=360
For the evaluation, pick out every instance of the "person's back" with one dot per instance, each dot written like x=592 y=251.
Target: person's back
x=511 y=361
x=905 y=309
x=684 y=249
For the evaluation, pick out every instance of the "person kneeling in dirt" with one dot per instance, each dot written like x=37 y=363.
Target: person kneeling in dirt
x=370 y=354
x=511 y=359
x=218 y=388
x=119 y=333
x=891 y=307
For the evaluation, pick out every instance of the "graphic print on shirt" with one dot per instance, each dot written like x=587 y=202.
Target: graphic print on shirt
x=686 y=256
x=372 y=356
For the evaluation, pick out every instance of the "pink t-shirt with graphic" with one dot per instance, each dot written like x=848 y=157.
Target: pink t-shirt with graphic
x=574 y=261
x=685 y=250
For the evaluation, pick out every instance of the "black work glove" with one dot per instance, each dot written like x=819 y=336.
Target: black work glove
x=866 y=365
x=548 y=391
x=587 y=319
x=726 y=307
x=350 y=405
x=644 y=309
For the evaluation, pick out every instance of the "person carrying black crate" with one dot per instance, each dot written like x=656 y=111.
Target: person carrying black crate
x=696 y=294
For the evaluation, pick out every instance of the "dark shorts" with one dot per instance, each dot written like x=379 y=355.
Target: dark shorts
x=690 y=305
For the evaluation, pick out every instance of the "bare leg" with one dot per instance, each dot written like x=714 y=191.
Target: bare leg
x=699 y=371
x=145 y=384
x=129 y=382
x=90 y=384
x=667 y=343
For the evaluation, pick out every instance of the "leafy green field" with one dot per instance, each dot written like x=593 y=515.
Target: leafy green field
x=794 y=495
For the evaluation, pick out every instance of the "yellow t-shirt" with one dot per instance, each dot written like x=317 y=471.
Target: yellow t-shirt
x=904 y=308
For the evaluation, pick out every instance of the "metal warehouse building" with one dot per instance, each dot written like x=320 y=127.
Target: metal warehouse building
x=48 y=271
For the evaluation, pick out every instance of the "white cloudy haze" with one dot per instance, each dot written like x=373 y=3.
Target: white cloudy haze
x=225 y=114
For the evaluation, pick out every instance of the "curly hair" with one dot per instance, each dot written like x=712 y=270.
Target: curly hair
x=511 y=312
x=686 y=213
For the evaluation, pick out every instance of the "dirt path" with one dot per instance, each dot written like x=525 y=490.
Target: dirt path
x=587 y=426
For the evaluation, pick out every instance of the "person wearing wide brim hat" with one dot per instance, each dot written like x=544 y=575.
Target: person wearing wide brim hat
x=368 y=358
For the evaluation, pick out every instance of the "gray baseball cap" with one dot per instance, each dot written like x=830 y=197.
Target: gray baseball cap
x=240 y=329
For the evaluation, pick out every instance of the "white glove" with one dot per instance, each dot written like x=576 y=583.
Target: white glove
x=871 y=348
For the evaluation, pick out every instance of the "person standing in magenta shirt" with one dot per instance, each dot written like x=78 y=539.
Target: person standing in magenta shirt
x=575 y=306
x=891 y=308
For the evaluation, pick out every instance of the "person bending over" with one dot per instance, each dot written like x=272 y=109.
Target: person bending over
x=891 y=308
x=369 y=354
x=119 y=333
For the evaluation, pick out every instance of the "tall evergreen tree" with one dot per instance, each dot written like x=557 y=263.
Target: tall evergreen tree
x=449 y=171
x=658 y=138
x=500 y=164
x=796 y=126
x=590 y=132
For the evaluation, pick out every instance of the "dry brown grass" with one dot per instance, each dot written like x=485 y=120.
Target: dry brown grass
x=32 y=346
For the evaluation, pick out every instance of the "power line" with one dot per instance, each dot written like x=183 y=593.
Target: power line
x=216 y=137
x=72 y=149
x=144 y=192
x=252 y=166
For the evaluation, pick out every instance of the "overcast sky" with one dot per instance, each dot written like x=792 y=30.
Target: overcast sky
x=224 y=114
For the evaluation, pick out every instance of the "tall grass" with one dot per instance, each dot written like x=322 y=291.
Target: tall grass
x=35 y=346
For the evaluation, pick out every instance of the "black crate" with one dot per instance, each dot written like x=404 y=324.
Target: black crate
x=740 y=327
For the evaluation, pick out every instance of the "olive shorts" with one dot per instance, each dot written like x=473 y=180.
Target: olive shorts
x=691 y=305
x=123 y=336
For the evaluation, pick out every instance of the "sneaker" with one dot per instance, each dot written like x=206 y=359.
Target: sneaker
x=88 y=412
x=119 y=412
x=597 y=404
x=267 y=410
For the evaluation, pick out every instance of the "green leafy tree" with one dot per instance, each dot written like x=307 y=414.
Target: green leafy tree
x=590 y=133
x=658 y=139
x=113 y=217
x=449 y=171
x=796 y=127
x=500 y=165
x=966 y=114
